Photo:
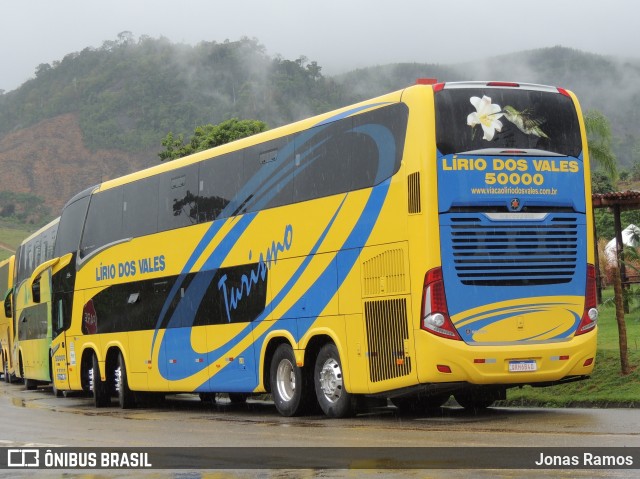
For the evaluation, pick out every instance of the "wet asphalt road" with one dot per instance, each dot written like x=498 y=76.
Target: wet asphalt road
x=36 y=418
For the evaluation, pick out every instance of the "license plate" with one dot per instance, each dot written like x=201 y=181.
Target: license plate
x=522 y=366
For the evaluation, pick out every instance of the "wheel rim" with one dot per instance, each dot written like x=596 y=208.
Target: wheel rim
x=331 y=380
x=117 y=379
x=91 y=380
x=286 y=380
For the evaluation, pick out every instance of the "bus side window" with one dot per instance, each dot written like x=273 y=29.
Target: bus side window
x=140 y=208
x=104 y=221
x=177 y=198
x=219 y=182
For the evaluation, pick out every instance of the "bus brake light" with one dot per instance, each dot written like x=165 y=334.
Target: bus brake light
x=503 y=84
x=435 y=314
x=590 y=314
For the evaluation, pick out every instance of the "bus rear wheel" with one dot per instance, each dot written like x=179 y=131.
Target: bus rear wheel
x=420 y=403
x=126 y=399
x=332 y=396
x=99 y=388
x=7 y=377
x=476 y=399
x=289 y=385
x=29 y=384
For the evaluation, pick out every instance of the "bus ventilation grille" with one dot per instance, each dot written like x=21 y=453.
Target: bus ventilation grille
x=414 y=193
x=387 y=331
x=514 y=254
x=384 y=274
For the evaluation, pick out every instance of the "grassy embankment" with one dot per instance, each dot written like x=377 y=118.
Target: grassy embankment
x=606 y=387
x=10 y=238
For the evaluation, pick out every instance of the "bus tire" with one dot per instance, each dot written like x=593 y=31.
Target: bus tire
x=333 y=398
x=208 y=398
x=238 y=398
x=419 y=403
x=99 y=388
x=474 y=400
x=290 y=387
x=29 y=384
x=7 y=377
x=126 y=398
x=56 y=392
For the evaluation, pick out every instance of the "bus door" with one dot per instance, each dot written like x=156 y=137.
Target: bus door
x=34 y=327
x=59 y=360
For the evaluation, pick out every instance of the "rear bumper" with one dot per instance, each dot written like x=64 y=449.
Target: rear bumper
x=489 y=365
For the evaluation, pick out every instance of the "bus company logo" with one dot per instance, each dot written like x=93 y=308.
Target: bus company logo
x=514 y=204
x=23 y=458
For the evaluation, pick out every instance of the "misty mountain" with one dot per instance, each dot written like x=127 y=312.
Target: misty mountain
x=103 y=112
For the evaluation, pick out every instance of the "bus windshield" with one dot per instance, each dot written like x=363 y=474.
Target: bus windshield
x=478 y=118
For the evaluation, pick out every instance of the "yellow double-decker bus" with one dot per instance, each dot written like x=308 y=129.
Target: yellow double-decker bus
x=6 y=317
x=33 y=271
x=428 y=242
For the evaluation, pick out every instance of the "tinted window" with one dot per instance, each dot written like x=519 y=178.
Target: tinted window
x=4 y=279
x=267 y=175
x=178 y=198
x=140 y=208
x=37 y=250
x=349 y=154
x=220 y=180
x=104 y=220
x=71 y=224
x=526 y=120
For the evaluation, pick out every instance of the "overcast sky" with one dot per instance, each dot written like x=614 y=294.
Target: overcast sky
x=339 y=34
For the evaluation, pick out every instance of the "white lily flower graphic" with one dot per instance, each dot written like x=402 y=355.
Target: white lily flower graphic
x=486 y=115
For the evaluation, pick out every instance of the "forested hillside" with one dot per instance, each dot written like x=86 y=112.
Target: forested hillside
x=103 y=112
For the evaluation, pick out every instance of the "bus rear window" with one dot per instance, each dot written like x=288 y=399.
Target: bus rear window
x=472 y=119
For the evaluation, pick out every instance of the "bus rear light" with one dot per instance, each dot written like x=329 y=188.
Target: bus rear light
x=426 y=81
x=443 y=368
x=438 y=87
x=588 y=362
x=590 y=314
x=564 y=92
x=513 y=152
x=435 y=314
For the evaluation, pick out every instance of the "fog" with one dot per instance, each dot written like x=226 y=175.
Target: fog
x=340 y=35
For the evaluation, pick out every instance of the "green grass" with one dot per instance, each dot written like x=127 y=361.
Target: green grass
x=11 y=235
x=606 y=387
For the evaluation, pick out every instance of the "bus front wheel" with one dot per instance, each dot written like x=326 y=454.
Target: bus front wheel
x=289 y=385
x=56 y=392
x=333 y=398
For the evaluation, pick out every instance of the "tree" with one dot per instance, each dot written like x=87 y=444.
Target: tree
x=599 y=142
x=209 y=136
